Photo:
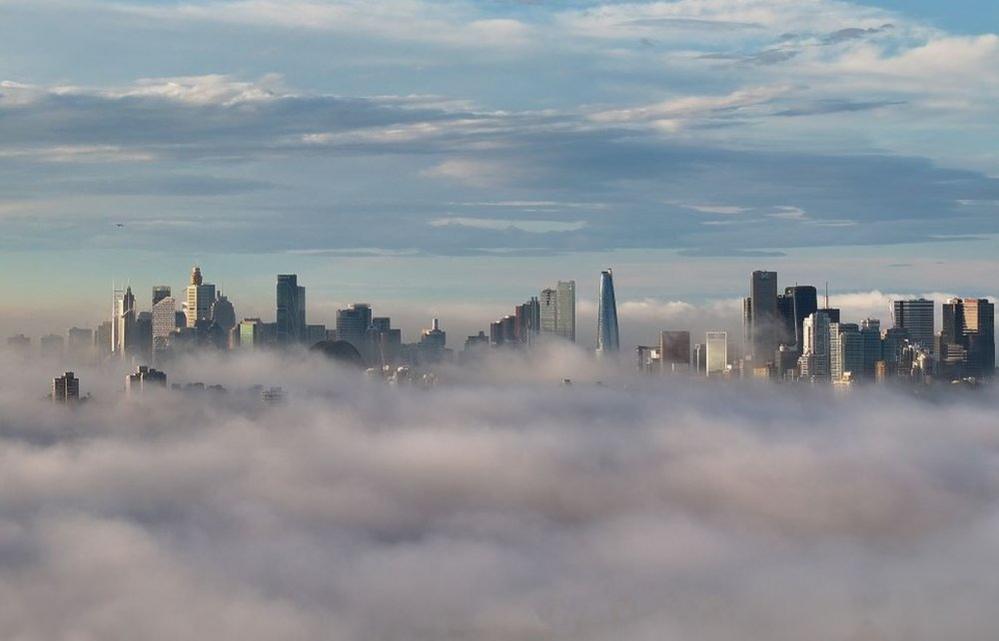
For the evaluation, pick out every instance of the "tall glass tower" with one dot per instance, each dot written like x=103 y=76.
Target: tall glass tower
x=290 y=309
x=607 y=334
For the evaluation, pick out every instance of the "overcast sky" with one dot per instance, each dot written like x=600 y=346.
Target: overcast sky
x=422 y=155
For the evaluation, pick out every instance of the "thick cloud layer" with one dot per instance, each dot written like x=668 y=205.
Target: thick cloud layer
x=499 y=505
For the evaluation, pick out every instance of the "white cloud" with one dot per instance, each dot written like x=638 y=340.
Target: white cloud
x=497 y=506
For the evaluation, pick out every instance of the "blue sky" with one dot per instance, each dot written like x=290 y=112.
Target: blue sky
x=387 y=150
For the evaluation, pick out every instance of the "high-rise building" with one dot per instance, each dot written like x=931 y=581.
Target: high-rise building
x=164 y=325
x=384 y=343
x=433 y=343
x=966 y=343
x=761 y=321
x=608 y=340
x=870 y=335
x=199 y=298
x=716 y=346
x=352 y=324
x=814 y=360
x=674 y=351
x=699 y=361
x=160 y=292
x=557 y=314
x=846 y=351
x=223 y=313
x=893 y=341
x=104 y=339
x=527 y=321
x=141 y=344
x=916 y=316
x=794 y=306
x=123 y=322
x=980 y=335
x=65 y=388
x=254 y=334
x=143 y=379
x=290 y=310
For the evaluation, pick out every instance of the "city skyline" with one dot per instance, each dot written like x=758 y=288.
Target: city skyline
x=499 y=320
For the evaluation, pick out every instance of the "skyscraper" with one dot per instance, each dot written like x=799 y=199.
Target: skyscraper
x=870 y=334
x=814 y=360
x=794 y=306
x=916 y=316
x=980 y=335
x=352 y=324
x=433 y=343
x=527 y=321
x=65 y=388
x=160 y=292
x=674 y=351
x=558 y=310
x=716 y=345
x=846 y=351
x=291 y=310
x=122 y=321
x=608 y=340
x=164 y=325
x=967 y=337
x=199 y=299
x=223 y=313
x=144 y=378
x=760 y=318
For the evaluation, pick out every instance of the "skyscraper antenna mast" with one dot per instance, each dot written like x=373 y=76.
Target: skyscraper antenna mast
x=827 y=294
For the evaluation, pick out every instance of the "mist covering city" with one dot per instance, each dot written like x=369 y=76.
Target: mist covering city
x=441 y=320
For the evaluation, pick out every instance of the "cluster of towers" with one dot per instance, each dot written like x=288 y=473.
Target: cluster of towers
x=789 y=336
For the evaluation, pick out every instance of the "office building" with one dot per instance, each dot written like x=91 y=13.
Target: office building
x=198 y=301
x=223 y=313
x=674 y=351
x=160 y=292
x=123 y=322
x=916 y=316
x=966 y=343
x=143 y=379
x=699 y=360
x=164 y=325
x=503 y=332
x=382 y=343
x=527 y=321
x=557 y=313
x=255 y=334
x=432 y=347
x=794 y=306
x=814 y=360
x=716 y=357
x=352 y=324
x=846 y=351
x=65 y=388
x=290 y=297
x=893 y=341
x=761 y=321
x=980 y=336
x=608 y=339
x=870 y=335
x=140 y=345
x=103 y=338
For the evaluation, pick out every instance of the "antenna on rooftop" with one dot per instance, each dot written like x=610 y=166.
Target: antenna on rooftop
x=827 y=294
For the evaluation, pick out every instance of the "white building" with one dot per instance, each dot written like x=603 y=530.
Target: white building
x=717 y=353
